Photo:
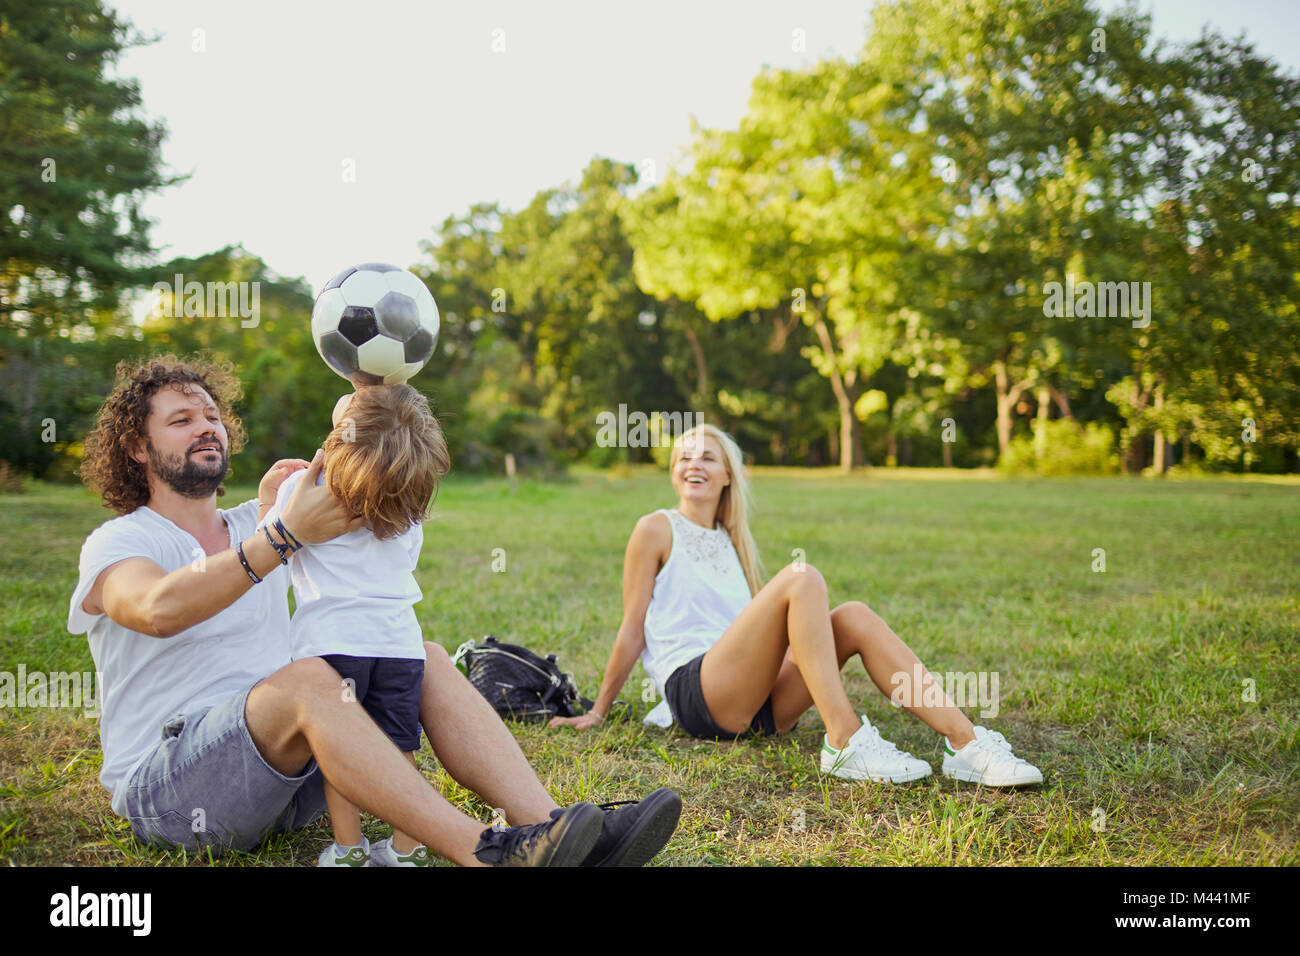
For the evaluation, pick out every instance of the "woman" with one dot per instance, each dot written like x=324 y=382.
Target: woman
x=730 y=655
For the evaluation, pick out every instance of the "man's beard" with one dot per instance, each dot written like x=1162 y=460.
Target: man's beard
x=187 y=476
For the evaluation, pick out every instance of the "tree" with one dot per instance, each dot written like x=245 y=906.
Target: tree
x=1032 y=112
x=1222 y=367
x=76 y=163
x=816 y=205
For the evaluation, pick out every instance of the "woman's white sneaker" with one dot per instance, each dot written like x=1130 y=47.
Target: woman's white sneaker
x=988 y=760
x=868 y=756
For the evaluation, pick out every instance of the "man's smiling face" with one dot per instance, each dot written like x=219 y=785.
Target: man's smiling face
x=185 y=441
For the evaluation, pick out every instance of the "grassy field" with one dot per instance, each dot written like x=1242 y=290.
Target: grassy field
x=1130 y=689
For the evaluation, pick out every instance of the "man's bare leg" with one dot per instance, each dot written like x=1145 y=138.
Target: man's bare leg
x=300 y=711
x=478 y=750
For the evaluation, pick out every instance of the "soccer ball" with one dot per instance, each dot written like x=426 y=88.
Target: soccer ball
x=375 y=324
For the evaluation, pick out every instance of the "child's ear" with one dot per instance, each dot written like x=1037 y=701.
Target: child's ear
x=341 y=407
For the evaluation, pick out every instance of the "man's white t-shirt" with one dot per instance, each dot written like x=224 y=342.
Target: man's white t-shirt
x=355 y=594
x=147 y=680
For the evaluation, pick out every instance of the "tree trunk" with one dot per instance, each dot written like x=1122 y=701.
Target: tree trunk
x=1044 y=398
x=851 y=455
x=947 y=453
x=1135 y=451
x=1135 y=456
x=1007 y=395
x=1005 y=403
x=846 y=395
x=1062 y=402
x=1158 y=456
x=701 y=369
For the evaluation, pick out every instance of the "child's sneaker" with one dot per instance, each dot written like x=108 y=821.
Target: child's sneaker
x=335 y=855
x=988 y=760
x=868 y=756
x=384 y=853
x=564 y=840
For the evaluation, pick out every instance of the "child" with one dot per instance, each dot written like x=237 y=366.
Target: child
x=355 y=593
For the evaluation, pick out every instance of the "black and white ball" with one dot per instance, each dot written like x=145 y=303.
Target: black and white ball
x=375 y=324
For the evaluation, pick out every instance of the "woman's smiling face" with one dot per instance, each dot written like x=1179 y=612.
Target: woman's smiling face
x=701 y=470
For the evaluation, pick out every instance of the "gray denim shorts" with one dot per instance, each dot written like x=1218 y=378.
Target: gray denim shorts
x=205 y=785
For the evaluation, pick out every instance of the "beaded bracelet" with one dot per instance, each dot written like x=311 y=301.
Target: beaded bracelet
x=239 y=550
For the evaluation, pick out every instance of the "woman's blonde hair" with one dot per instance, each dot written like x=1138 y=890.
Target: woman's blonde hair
x=385 y=457
x=735 y=504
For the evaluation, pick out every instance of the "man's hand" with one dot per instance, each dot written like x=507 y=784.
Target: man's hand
x=312 y=514
x=581 y=722
x=274 y=478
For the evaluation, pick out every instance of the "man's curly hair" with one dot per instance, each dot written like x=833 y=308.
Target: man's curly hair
x=107 y=466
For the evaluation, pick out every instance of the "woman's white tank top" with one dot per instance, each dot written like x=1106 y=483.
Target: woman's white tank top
x=698 y=592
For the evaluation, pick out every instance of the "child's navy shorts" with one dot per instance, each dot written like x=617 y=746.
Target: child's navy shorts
x=389 y=690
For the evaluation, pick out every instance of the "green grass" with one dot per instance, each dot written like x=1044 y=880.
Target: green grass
x=1124 y=687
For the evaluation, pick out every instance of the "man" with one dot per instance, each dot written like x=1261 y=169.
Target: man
x=211 y=736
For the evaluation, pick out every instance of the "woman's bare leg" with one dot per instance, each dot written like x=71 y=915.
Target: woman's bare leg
x=791 y=613
x=860 y=631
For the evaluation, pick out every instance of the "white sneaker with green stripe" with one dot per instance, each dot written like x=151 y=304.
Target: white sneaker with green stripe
x=384 y=853
x=868 y=756
x=988 y=760
x=335 y=855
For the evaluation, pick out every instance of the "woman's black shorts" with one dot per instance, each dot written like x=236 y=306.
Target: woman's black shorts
x=686 y=701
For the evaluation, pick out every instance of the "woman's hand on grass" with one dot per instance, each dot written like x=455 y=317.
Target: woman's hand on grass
x=581 y=722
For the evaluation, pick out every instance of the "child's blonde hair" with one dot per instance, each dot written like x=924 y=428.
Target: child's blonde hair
x=735 y=504
x=385 y=457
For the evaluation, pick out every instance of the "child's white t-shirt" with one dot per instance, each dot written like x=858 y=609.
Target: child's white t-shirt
x=355 y=594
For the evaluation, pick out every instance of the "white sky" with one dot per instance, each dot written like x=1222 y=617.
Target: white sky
x=435 y=120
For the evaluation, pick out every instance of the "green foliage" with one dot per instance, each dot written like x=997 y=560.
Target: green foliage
x=1068 y=450
x=77 y=162
x=862 y=260
x=542 y=315
x=49 y=392
x=836 y=220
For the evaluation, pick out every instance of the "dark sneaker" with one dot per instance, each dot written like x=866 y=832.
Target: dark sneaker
x=634 y=831
x=565 y=840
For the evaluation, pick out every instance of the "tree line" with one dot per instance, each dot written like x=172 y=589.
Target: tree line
x=1022 y=233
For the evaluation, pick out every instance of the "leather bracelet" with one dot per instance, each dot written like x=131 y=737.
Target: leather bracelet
x=289 y=539
x=281 y=547
x=239 y=550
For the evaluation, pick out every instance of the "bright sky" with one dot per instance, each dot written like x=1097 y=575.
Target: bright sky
x=442 y=105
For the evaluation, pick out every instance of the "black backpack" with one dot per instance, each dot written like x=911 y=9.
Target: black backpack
x=517 y=683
